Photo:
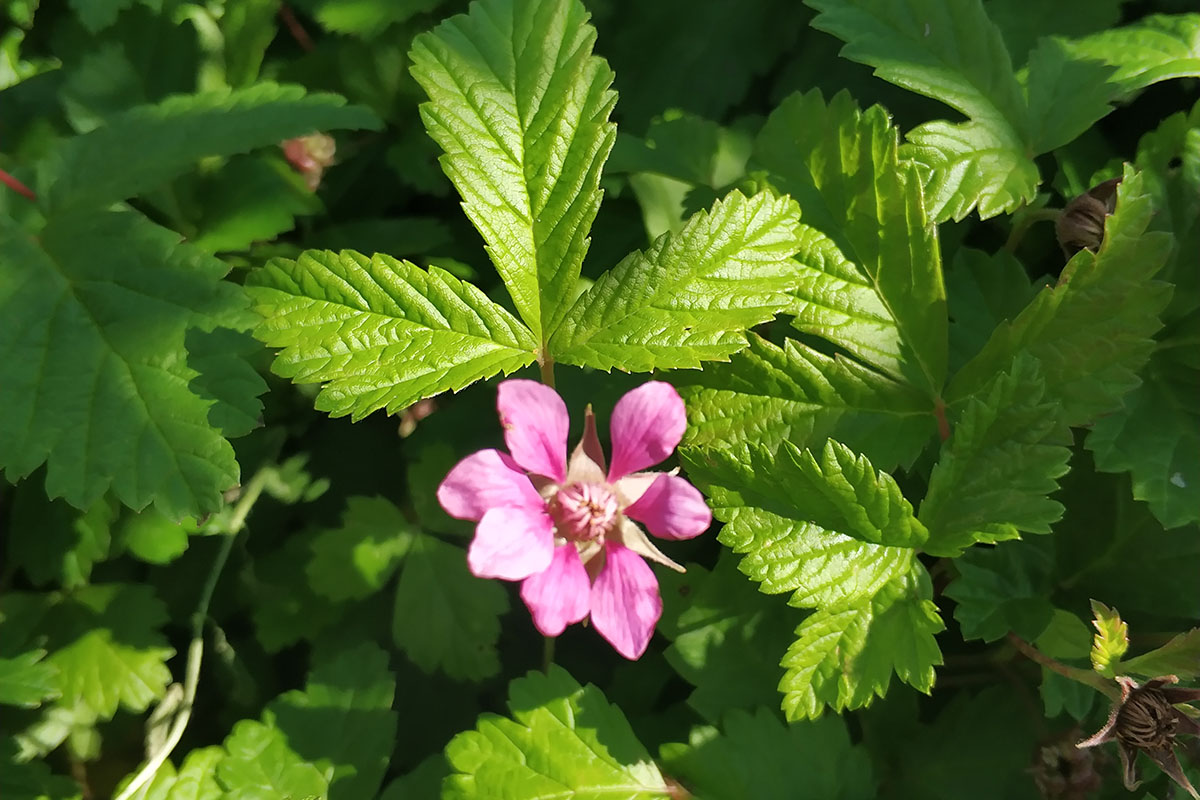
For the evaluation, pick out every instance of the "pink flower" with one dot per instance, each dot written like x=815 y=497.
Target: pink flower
x=565 y=528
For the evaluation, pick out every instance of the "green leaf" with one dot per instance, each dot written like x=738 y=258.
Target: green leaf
x=1066 y=637
x=261 y=764
x=874 y=286
x=1155 y=435
x=520 y=106
x=104 y=641
x=381 y=333
x=195 y=780
x=26 y=681
x=368 y=18
x=446 y=618
x=1156 y=48
x=756 y=756
x=1180 y=656
x=845 y=655
x=223 y=358
x=147 y=146
x=752 y=493
x=690 y=296
x=249 y=199
x=248 y=29
x=95 y=378
x=564 y=740
x=1003 y=589
x=284 y=606
x=1110 y=642
x=768 y=395
x=1067 y=95
x=151 y=537
x=1092 y=331
x=1023 y=23
x=999 y=466
x=982 y=290
x=342 y=722
x=57 y=543
x=356 y=559
x=726 y=637
x=32 y=780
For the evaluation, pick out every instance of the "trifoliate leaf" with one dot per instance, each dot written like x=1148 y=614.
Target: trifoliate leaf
x=446 y=618
x=261 y=764
x=756 y=756
x=195 y=780
x=564 y=741
x=1110 y=642
x=690 y=296
x=845 y=654
x=1155 y=435
x=1180 y=656
x=355 y=560
x=1092 y=331
x=520 y=106
x=1003 y=589
x=95 y=378
x=982 y=290
x=768 y=394
x=59 y=544
x=752 y=493
x=105 y=643
x=1156 y=48
x=342 y=722
x=994 y=476
x=874 y=286
x=381 y=333
x=26 y=681
x=727 y=638
x=149 y=145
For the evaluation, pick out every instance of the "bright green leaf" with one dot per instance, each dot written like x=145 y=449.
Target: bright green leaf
x=873 y=283
x=247 y=28
x=355 y=560
x=690 y=296
x=845 y=655
x=446 y=618
x=147 y=146
x=752 y=493
x=94 y=378
x=1092 y=331
x=153 y=538
x=342 y=721
x=381 y=333
x=995 y=473
x=520 y=106
x=261 y=764
x=768 y=394
x=756 y=756
x=1180 y=656
x=1156 y=48
x=1110 y=642
x=27 y=681
x=564 y=741
x=195 y=780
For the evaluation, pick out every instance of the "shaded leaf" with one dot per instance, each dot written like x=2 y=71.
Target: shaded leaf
x=357 y=559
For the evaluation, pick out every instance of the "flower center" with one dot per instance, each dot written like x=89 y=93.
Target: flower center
x=584 y=512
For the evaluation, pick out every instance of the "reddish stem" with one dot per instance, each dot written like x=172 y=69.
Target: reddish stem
x=296 y=29
x=939 y=411
x=17 y=186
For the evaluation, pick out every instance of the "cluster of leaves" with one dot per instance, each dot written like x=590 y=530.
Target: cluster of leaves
x=217 y=583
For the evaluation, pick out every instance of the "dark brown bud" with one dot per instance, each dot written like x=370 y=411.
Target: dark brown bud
x=1081 y=224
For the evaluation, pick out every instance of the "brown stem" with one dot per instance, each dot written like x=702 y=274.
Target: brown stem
x=17 y=186
x=1085 y=676
x=296 y=29
x=939 y=411
x=547 y=365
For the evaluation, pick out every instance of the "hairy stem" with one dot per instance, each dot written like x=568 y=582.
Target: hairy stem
x=1085 y=676
x=191 y=678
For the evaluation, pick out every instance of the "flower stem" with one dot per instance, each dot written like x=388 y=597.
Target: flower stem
x=191 y=679
x=547 y=365
x=1085 y=676
x=547 y=653
x=1024 y=222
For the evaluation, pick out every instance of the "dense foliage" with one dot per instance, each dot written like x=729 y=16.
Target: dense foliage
x=925 y=273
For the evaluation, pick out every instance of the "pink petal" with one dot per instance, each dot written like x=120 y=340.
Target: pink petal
x=671 y=508
x=558 y=595
x=535 y=427
x=625 y=601
x=511 y=543
x=484 y=480
x=646 y=425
